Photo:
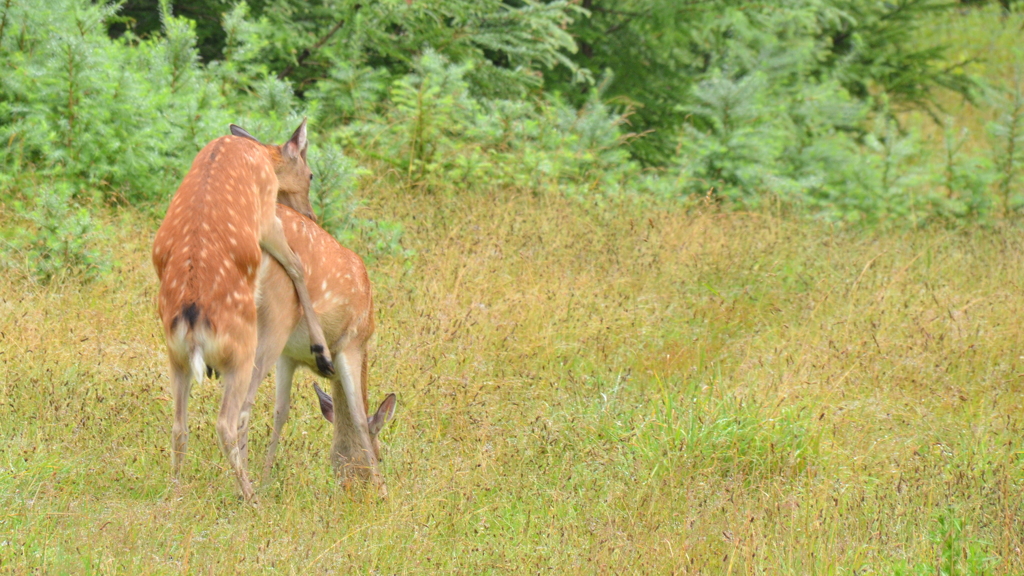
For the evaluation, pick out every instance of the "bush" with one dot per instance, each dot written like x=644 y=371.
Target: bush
x=125 y=117
x=333 y=195
x=1007 y=133
x=56 y=238
x=796 y=104
x=660 y=49
x=439 y=135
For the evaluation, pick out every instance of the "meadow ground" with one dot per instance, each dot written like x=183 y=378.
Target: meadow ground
x=580 y=391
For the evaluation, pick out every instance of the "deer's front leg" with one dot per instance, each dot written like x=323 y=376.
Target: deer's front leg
x=277 y=246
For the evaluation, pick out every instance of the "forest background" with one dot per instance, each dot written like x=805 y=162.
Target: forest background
x=687 y=286
x=807 y=105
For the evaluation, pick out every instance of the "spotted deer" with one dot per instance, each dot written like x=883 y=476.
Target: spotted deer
x=340 y=289
x=207 y=254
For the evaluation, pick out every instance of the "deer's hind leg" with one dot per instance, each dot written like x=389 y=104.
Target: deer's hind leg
x=181 y=384
x=282 y=405
x=272 y=337
x=236 y=381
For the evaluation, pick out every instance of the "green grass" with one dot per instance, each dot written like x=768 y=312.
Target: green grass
x=637 y=391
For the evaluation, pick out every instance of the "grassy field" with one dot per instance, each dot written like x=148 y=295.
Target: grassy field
x=617 y=390
x=648 y=391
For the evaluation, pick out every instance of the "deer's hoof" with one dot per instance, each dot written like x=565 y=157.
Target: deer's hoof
x=323 y=361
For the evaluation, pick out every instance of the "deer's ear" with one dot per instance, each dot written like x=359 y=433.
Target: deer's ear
x=383 y=415
x=326 y=404
x=296 y=146
x=239 y=131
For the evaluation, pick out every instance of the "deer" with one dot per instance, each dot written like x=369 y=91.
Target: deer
x=207 y=253
x=340 y=288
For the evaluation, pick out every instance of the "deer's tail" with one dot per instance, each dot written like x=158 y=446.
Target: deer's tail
x=195 y=358
x=187 y=332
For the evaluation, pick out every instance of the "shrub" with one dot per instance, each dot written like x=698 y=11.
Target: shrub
x=439 y=135
x=333 y=195
x=56 y=238
x=961 y=186
x=1007 y=133
x=660 y=49
x=125 y=117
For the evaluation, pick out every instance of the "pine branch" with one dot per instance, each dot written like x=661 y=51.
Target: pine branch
x=307 y=52
x=3 y=23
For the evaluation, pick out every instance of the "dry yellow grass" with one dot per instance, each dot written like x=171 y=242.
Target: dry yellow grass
x=580 y=391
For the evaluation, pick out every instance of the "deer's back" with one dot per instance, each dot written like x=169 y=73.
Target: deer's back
x=207 y=248
x=338 y=283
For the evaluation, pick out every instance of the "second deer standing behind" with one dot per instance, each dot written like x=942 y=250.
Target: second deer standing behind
x=340 y=289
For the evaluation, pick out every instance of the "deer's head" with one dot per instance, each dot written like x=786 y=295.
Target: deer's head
x=385 y=412
x=293 y=173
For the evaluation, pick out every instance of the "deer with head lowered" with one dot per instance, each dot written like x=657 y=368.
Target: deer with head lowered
x=207 y=254
x=340 y=289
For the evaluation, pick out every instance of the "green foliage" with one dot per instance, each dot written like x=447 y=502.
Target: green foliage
x=966 y=179
x=332 y=192
x=781 y=110
x=890 y=171
x=746 y=142
x=142 y=18
x=245 y=42
x=739 y=153
x=121 y=118
x=660 y=49
x=55 y=238
x=1007 y=133
x=431 y=107
x=437 y=133
x=793 y=104
x=648 y=45
x=510 y=43
x=125 y=117
x=872 y=47
x=350 y=93
x=958 y=555
x=333 y=195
